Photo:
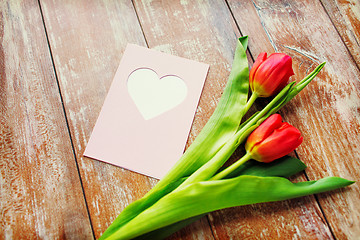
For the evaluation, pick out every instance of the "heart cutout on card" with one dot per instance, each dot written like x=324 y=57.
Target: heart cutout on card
x=154 y=95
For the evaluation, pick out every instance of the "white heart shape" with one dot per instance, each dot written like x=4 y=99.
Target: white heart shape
x=154 y=96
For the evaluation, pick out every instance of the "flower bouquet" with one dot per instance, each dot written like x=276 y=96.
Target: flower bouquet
x=199 y=182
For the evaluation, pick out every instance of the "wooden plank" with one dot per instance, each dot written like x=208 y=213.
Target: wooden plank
x=206 y=32
x=87 y=44
x=327 y=112
x=87 y=40
x=345 y=15
x=41 y=195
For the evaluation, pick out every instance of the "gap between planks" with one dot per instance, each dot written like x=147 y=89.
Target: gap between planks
x=341 y=37
x=66 y=118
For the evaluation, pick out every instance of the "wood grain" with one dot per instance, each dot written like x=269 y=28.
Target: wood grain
x=40 y=194
x=327 y=111
x=345 y=16
x=87 y=40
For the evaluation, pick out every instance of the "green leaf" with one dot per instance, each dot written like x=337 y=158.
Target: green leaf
x=164 y=232
x=221 y=126
x=208 y=196
x=283 y=167
x=140 y=205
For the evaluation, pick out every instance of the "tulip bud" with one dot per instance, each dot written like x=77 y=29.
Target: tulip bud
x=273 y=139
x=270 y=75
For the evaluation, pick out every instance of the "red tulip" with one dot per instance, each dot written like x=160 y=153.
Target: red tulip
x=273 y=139
x=270 y=75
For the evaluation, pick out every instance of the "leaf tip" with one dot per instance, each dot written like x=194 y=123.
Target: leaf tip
x=321 y=65
x=244 y=41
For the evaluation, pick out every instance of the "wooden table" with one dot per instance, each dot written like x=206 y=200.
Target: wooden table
x=57 y=61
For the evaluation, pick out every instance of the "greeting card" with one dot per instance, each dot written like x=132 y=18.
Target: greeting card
x=148 y=112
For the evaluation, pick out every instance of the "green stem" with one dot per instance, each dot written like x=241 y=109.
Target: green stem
x=206 y=171
x=301 y=85
x=232 y=167
x=211 y=167
x=250 y=102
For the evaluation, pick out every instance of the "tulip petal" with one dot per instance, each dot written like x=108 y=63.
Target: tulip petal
x=271 y=75
x=275 y=72
x=263 y=131
x=280 y=143
x=282 y=72
x=259 y=60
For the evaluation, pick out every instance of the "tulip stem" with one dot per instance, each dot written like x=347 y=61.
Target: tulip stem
x=250 y=102
x=232 y=167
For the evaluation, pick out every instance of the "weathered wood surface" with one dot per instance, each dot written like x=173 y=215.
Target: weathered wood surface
x=86 y=41
x=327 y=112
x=345 y=16
x=40 y=194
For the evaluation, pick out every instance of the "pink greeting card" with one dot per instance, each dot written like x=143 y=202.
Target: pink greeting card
x=148 y=112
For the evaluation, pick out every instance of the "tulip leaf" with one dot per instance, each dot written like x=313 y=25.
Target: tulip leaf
x=168 y=230
x=283 y=167
x=208 y=196
x=222 y=125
